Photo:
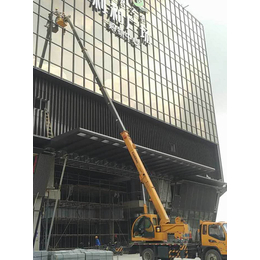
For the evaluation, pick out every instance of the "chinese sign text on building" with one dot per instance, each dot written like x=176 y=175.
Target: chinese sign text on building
x=120 y=24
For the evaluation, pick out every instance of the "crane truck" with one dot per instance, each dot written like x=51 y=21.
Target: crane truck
x=150 y=233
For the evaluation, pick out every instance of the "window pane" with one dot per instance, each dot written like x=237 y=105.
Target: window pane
x=68 y=41
x=146 y=82
x=98 y=31
x=132 y=91
x=108 y=80
x=124 y=87
x=131 y=75
x=116 y=67
x=139 y=95
x=79 y=19
x=55 y=70
x=98 y=57
x=107 y=61
x=55 y=54
x=116 y=83
x=67 y=60
x=139 y=79
x=147 y=98
x=124 y=70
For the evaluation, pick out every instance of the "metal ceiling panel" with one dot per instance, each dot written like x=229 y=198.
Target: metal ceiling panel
x=83 y=142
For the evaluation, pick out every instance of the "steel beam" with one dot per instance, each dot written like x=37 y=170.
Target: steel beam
x=56 y=204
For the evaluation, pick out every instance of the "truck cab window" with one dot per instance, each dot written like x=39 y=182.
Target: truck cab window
x=143 y=228
x=155 y=221
x=225 y=227
x=217 y=232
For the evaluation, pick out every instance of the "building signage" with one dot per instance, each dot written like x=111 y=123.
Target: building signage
x=139 y=4
x=119 y=24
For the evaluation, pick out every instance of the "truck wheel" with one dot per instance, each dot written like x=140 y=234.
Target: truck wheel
x=148 y=254
x=212 y=255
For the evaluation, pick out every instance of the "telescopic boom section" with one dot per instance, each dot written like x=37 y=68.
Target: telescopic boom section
x=145 y=179
x=61 y=20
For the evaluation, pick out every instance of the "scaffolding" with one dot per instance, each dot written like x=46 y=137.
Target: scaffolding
x=88 y=207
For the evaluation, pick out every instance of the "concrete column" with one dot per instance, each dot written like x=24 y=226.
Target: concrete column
x=43 y=180
x=44 y=174
x=36 y=213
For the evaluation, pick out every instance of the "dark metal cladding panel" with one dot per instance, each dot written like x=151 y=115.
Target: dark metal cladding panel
x=44 y=167
x=42 y=122
x=72 y=107
x=35 y=117
x=194 y=202
x=196 y=197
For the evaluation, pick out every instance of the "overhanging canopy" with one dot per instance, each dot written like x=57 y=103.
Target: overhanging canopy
x=91 y=147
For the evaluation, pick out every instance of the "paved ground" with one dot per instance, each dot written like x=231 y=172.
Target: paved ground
x=137 y=257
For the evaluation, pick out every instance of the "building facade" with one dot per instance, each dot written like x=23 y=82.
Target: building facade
x=152 y=60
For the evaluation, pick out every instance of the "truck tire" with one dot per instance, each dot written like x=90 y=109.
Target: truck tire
x=212 y=255
x=148 y=254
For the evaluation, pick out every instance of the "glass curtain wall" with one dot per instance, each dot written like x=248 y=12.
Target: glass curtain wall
x=167 y=79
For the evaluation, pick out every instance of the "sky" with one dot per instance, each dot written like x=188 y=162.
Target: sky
x=213 y=16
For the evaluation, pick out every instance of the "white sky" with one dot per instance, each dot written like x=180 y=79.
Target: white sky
x=213 y=16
